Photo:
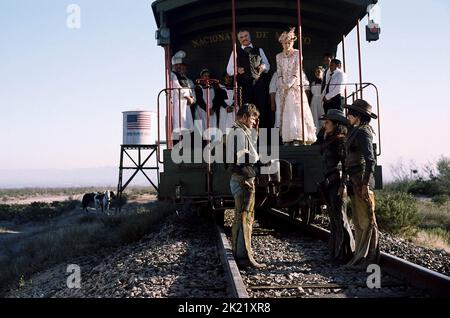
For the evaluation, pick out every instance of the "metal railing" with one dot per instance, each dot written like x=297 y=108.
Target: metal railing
x=356 y=90
x=358 y=93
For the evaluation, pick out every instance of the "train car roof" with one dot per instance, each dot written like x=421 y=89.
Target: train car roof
x=324 y=18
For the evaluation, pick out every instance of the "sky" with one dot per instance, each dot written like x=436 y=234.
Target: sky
x=63 y=91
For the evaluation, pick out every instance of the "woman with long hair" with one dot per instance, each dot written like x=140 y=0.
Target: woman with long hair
x=332 y=139
x=359 y=166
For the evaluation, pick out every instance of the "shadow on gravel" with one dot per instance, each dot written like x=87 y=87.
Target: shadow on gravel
x=302 y=265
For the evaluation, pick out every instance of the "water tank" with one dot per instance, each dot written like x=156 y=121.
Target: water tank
x=139 y=127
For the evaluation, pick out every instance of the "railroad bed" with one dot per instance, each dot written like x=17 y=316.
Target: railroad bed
x=179 y=259
x=187 y=256
x=299 y=266
x=434 y=259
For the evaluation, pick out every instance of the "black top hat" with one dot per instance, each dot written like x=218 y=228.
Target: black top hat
x=363 y=107
x=335 y=115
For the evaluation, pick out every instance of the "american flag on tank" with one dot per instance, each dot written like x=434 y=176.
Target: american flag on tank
x=139 y=121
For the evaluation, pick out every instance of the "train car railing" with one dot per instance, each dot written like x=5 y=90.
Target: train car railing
x=357 y=92
x=168 y=93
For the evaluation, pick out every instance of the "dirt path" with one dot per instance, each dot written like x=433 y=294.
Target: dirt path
x=40 y=198
x=12 y=232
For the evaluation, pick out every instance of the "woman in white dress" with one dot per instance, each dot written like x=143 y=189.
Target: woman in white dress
x=317 y=99
x=288 y=96
x=274 y=98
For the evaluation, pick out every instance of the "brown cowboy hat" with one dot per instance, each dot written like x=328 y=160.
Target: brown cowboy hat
x=363 y=107
x=336 y=115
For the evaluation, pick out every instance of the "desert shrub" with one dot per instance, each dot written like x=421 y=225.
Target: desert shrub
x=443 y=168
x=396 y=211
x=440 y=233
x=432 y=179
x=431 y=187
x=402 y=185
x=36 y=211
x=36 y=252
x=432 y=215
x=139 y=190
x=440 y=199
x=437 y=181
x=87 y=218
x=88 y=234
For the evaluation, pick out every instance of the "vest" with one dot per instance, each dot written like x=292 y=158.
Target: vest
x=243 y=60
x=355 y=161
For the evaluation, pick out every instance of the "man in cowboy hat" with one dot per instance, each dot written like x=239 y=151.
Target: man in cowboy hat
x=331 y=140
x=359 y=166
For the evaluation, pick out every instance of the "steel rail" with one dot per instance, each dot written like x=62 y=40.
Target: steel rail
x=234 y=279
x=436 y=283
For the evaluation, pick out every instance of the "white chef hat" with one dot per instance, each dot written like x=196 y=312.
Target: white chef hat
x=178 y=57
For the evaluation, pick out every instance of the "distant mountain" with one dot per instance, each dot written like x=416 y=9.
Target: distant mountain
x=102 y=176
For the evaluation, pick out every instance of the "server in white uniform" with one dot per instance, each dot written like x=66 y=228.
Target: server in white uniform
x=205 y=96
x=224 y=103
x=183 y=97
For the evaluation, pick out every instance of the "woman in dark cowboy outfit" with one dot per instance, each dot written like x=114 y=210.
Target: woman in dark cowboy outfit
x=359 y=166
x=331 y=139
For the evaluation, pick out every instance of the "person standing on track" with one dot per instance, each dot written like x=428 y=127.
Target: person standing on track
x=242 y=154
x=359 y=166
x=331 y=140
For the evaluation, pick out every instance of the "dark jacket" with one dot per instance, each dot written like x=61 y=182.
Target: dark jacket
x=333 y=151
x=359 y=152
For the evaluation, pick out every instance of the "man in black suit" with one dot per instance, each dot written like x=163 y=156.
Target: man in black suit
x=252 y=68
x=334 y=88
x=327 y=57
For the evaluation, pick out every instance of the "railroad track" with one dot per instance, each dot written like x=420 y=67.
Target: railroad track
x=298 y=266
x=236 y=286
x=181 y=260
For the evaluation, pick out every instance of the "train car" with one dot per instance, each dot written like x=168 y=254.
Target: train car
x=205 y=30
